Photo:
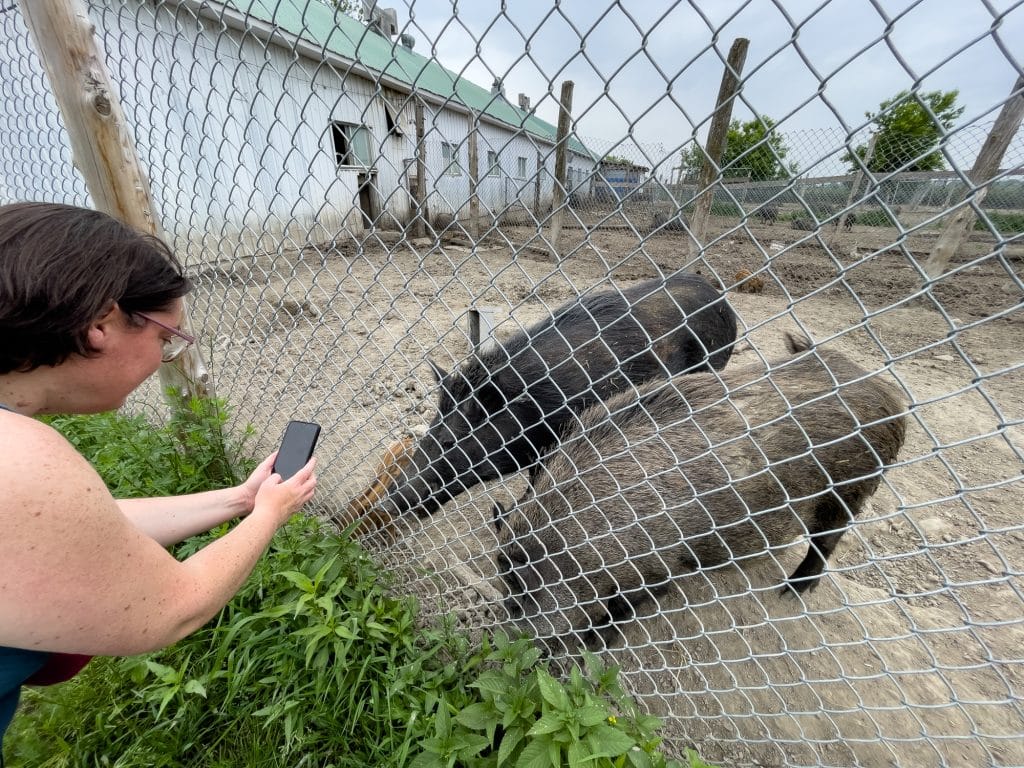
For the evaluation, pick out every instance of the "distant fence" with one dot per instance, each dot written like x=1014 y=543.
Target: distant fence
x=817 y=185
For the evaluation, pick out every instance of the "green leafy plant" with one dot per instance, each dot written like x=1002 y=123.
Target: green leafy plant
x=526 y=717
x=317 y=661
x=909 y=130
x=1005 y=223
x=135 y=458
x=753 y=149
x=877 y=218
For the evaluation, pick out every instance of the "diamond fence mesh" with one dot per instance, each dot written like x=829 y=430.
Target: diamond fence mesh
x=553 y=476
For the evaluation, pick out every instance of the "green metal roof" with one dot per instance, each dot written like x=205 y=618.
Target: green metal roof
x=315 y=22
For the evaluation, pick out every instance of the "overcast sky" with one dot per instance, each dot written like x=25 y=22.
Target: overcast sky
x=653 y=67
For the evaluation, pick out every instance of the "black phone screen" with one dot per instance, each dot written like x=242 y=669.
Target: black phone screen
x=296 y=447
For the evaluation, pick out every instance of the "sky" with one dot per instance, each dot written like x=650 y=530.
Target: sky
x=651 y=69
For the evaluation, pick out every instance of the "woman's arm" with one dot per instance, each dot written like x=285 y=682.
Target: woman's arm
x=77 y=576
x=170 y=519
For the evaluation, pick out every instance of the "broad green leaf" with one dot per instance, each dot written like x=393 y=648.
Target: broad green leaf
x=513 y=736
x=608 y=742
x=535 y=755
x=548 y=723
x=552 y=691
x=591 y=715
x=476 y=716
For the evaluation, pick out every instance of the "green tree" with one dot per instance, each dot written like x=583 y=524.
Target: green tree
x=909 y=128
x=753 y=149
x=351 y=8
x=616 y=160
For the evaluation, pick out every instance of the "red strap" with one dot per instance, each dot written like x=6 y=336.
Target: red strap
x=58 y=668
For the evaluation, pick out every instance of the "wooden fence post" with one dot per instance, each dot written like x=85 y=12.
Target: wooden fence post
x=561 y=154
x=718 y=135
x=858 y=179
x=419 y=222
x=985 y=167
x=101 y=143
x=474 y=178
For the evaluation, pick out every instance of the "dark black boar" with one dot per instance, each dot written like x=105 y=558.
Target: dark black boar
x=692 y=474
x=505 y=408
x=664 y=221
x=848 y=221
x=767 y=214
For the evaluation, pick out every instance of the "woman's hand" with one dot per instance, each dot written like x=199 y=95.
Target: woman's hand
x=285 y=498
x=251 y=486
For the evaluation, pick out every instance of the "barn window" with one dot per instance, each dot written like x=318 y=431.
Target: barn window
x=520 y=167
x=392 y=115
x=351 y=145
x=493 y=168
x=450 y=159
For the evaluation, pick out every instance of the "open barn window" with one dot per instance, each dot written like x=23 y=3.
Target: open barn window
x=392 y=117
x=450 y=159
x=351 y=145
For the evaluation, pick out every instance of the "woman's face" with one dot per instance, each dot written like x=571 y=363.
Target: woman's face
x=129 y=351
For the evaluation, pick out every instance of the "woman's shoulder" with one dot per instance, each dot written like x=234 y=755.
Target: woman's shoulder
x=30 y=449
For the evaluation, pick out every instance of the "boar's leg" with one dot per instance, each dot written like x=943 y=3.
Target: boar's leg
x=830 y=521
x=619 y=609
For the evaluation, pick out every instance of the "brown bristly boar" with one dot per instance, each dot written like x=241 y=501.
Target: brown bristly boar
x=709 y=469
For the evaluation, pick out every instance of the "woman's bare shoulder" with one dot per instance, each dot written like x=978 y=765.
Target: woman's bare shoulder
x=36 y=460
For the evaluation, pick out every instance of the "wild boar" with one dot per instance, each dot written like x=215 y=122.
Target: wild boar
x=691 y=474
x=505 y=407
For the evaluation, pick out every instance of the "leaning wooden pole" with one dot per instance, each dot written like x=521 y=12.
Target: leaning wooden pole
x=101 y=144
x=419 y=223
x=474 y=178
x=714 y=150
x=985 y=167
x=561 y=157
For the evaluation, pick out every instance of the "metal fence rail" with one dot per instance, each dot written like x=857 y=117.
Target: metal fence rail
x=285 y=144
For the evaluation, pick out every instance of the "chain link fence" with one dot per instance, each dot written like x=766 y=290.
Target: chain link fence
x=813 y=182
x=284 y=143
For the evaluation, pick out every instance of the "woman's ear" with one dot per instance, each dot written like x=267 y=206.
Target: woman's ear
x=100 y=328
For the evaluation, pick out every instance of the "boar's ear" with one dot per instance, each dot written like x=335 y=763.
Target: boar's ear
x=439 y=372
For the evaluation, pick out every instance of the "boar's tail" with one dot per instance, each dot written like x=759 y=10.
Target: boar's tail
x=797 y=343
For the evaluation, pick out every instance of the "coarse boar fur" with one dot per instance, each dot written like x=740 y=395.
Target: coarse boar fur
x=504 y=408
x=692 y=474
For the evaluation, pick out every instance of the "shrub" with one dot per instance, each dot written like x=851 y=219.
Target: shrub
x=315 y=662
x=1005 y=223
x=875 y=219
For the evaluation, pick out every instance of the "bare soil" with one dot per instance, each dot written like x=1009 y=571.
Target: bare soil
x=909 y=652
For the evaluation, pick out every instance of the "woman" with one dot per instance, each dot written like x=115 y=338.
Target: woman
x=89 y=308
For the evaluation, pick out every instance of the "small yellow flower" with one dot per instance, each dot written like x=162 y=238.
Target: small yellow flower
x=612 y=720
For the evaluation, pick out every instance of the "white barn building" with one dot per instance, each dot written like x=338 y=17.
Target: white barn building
x=279 y=117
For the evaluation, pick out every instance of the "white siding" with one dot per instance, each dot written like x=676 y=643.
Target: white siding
x=236 y=137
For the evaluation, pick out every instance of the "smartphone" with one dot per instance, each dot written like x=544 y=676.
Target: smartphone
x=296 y=447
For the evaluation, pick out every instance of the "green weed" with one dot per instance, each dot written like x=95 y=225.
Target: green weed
x=316 y=662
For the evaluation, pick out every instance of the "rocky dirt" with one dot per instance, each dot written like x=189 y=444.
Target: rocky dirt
x=909 y=652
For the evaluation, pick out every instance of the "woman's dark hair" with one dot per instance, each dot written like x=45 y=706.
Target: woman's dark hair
x=61 y=267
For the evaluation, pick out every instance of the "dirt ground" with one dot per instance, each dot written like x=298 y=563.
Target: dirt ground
x=909 y=652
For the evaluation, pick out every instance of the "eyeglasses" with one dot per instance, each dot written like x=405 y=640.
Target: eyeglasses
x=172 y=347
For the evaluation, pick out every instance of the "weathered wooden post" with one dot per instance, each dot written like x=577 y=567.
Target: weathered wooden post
x=858 y=180
x=985 y=167
x=419 y=222
x=101 y=143
x=718 y=135
x=474 y=178
x=536 y=186
x=561 y=155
